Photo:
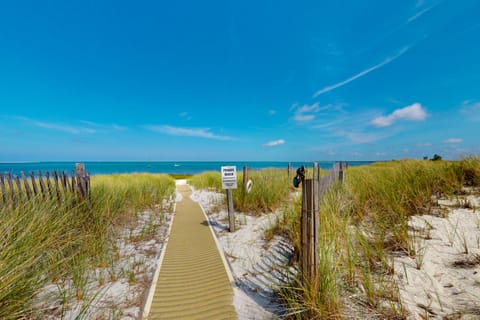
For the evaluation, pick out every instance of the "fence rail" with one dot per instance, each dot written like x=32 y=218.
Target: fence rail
x=49 y=185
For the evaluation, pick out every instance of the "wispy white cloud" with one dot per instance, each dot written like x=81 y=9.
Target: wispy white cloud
x=453 y=141
x=62 y=127
x=103 y=127
x=414 y=112
x=187 y=132
x=362 y=73
x=307 y=113
x=304 y=117
x=471 y=109
x=419 y=3
x=331 y=152
x=425 y=144
x=420 y=13
x=185 y=115
x=272 y=112
x=359 y=137
x=275 y=143
x=330 y=124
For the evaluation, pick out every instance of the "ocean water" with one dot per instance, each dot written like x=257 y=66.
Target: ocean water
x=181 y=167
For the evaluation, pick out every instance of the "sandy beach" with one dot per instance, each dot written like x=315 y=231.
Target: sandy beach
x=443 y=280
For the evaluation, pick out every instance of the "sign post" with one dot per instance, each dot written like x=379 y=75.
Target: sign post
x=229 y=182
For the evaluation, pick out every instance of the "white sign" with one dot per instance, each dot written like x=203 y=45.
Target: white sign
x=229 y=177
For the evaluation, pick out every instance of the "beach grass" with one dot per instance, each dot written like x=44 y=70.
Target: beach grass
x=362 y=223
x=178 y=176
x=45 y=241
x=208 y=180
x=269 y=191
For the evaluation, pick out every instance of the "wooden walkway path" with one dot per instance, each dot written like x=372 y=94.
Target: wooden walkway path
x=193 y=282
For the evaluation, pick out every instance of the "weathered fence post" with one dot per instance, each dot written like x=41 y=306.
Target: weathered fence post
x=10 y=185
x=19 y=187
x=82 y=182
x=340 y=173
x=57 y=187
x=27 y=186
x=2 y=185
x=49 y=185
x=66 y=186
x=288 y=169
x=73 y=185
x=231 y=213
x=34 y=184
x=316 y=171
x=42 y=185
x=310 y=228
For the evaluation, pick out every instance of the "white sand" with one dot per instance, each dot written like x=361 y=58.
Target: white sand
x=257 y=267
x=119 y=290
x=447 y=282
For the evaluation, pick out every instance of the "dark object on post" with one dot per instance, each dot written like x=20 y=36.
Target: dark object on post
x=299 y=177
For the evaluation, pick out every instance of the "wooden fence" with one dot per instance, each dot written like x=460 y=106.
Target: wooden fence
x=15 y=189
x=313 y=189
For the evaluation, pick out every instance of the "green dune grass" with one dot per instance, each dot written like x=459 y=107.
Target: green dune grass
x=44 y=241
x=364 y=221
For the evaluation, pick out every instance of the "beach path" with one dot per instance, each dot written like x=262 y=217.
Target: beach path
x=193 y=281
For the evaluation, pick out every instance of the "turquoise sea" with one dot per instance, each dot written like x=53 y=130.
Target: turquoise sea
x=181 y=167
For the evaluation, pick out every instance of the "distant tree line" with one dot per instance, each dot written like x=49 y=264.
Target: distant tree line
x=435 y=157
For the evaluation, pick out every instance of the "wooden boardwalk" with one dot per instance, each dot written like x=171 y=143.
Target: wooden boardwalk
x=193 y=282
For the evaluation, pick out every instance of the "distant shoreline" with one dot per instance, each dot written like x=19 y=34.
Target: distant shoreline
x=166 y=167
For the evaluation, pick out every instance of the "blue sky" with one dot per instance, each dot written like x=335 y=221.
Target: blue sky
x=239 y=80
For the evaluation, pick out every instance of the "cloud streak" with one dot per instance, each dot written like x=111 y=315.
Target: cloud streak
x=187 y=132
x=62 y=127
x=307 y=113
x=471 y=109
x=275 y=143
x=453 y=141
x=361 y=74
x=414 y=112
x=358 y=137
x=420 y=13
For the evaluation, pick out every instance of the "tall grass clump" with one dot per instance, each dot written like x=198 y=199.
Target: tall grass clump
x=361 y=223
x=45 y=241
x=470 y=167
x=35 y=243
x=210 y=180
x=384 y=195
x=270 y=190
